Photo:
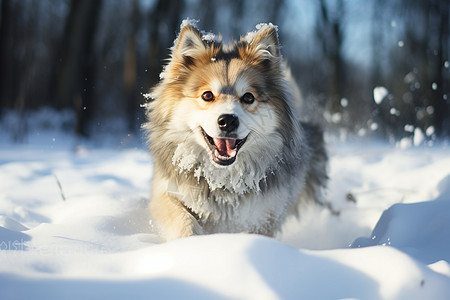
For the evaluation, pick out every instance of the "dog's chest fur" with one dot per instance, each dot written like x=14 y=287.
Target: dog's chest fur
x=230 y=156
x=221 y=210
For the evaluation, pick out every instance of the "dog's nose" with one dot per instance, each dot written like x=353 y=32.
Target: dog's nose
x=228 y=122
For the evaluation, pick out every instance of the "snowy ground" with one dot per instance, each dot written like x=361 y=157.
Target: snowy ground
x=74 y=225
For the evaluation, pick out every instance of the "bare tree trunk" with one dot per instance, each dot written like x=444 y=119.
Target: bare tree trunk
x=165 y=20
x=238 y=9
x=441 y=99
x=380 y=116
x=17 y=72
x=332 y=39
x=6 y=61
x=208 y=19
x=76 y=75
x=130 y=69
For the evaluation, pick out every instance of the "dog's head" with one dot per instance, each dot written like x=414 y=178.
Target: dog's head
x=224 y=106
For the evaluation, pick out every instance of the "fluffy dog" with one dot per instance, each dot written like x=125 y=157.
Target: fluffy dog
x=229 y=154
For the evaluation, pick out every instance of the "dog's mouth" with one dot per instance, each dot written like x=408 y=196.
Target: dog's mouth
x=224 y=150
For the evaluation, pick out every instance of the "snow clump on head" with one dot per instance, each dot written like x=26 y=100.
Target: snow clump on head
x=261 y=26
x=206 y=36
x=189 y=22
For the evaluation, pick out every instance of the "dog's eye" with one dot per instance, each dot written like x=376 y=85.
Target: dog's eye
x=248 y=98
x=208 y=96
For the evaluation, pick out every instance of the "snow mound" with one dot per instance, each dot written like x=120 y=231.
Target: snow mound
x=236 y=266
x=421 y=230
x=74 y=224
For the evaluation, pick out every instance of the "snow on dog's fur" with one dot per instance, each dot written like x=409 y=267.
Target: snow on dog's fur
x=229 y=155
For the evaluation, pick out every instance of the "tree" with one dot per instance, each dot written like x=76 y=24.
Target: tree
x=75 y=77
x=130 y=68
x=331 y=35
x=441 y=98
x=6 y=61
x=165 y=21
x=418 y=66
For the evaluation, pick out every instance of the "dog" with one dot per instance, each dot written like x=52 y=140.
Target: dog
x=229 y=154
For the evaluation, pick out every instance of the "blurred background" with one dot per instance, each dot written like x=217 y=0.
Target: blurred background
x=372 y=68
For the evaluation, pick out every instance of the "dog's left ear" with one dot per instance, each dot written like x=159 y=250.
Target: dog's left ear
x=189 y=43
x=265 y=42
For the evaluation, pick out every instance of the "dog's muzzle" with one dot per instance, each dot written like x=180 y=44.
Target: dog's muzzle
x=224 y=149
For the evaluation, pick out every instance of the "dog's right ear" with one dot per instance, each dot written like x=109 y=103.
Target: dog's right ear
x=188 y=45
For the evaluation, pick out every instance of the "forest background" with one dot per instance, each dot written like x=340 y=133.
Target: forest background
x=365 y=68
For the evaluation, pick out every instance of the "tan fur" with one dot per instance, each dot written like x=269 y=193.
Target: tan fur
x=172 y=216
x=278 y=162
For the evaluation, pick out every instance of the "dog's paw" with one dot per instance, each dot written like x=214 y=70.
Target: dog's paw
x=184 y=226
x=190 y=228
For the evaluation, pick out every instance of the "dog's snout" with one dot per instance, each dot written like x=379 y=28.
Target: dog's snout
x=228 y=123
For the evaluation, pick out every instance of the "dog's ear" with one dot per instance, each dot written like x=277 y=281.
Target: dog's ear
x=189 y=44
x=264 y=42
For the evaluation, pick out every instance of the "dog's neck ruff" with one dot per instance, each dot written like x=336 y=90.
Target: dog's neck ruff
x=245 y=175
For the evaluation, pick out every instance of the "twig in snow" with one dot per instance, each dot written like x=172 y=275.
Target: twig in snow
x=60 y=187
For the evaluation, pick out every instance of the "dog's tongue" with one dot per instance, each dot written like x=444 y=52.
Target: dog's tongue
x=225 y=146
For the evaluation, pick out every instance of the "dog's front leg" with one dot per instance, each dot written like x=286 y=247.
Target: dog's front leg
x=174 y=219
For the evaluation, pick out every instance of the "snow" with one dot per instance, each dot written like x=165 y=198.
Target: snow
x=430 y=131
x=206 y=36
x=260 y=27
x=189 y=22
x=74 y=225
x=419 y=137
x=379 y=93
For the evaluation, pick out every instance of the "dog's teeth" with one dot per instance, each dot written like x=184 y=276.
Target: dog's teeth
x=221 y=157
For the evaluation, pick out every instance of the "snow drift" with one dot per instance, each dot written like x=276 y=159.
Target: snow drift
x=74 y=225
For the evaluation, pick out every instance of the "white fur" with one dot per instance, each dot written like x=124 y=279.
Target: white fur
x=192 y=193
x=234 y=214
